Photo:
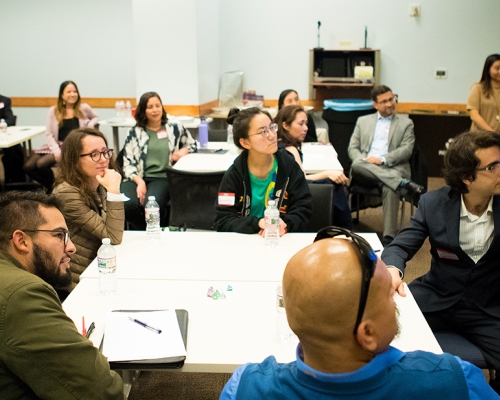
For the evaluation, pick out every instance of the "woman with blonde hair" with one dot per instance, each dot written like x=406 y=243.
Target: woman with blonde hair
x=69 y=113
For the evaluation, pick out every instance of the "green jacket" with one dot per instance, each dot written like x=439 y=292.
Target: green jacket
x=42 y=354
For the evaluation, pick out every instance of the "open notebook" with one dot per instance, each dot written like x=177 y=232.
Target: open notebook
x=128 y=344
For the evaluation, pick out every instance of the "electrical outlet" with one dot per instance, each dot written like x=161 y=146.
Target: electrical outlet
x=415 y=10
x=441 y=73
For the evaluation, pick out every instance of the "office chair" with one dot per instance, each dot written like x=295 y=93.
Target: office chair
x=322 y=202
x=192 y=198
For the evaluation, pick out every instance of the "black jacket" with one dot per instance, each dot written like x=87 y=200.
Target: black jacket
x=292 y=194
x=6 y=111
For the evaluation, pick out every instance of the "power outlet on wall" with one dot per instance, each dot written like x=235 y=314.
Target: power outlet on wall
x=440 y=73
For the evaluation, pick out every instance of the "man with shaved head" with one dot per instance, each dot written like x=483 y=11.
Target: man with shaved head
x=339 y=301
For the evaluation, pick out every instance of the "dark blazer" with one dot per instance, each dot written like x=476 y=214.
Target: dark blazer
x=453 y=275
x=6 y=111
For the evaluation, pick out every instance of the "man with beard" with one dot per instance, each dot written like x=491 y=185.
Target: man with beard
x=42 y=354
x=339 y=301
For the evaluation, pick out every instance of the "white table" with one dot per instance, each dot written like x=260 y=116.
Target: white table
x=222 y=334
x=207 y=255
x=317 y=158
x=21 y=134
x=130 y=122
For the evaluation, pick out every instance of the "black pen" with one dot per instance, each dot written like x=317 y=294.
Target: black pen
x=89 y=331
x=218 y=150
x=144 y=325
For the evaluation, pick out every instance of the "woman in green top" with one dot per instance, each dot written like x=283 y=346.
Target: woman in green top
x=261 y=173
x=151 y=146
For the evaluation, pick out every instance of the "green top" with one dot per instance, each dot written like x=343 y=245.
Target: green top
x=158 y=156
x=262 y=191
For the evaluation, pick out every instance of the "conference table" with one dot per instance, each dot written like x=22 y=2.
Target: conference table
x=21 y=134
x=317 y=158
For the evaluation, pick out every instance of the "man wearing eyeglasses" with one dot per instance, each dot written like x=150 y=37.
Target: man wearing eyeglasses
x=339 y=301
x=380 y=147
x=461 y=292
x=42 y=354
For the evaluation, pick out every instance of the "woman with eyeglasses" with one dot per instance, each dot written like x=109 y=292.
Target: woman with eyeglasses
x=89 y=188
x=259 y=174
x=292 y=129
x=68 y=114
x=290 y=97
x=484 y=98
x=154 y=144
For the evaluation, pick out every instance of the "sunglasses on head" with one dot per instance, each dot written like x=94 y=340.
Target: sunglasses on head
x=368 y=262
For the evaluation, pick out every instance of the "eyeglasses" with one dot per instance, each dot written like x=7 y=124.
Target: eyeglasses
x=62 y=234
x=384 y=102
x=266 y=131
x=494 y=167
x=96 y=155
x=368 y=263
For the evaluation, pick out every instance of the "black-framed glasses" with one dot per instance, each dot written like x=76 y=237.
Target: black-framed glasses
x=368 y=263
x=388 y=101
x=494 y=167
x=63 y=234
x=96 y=155
x=267 y=130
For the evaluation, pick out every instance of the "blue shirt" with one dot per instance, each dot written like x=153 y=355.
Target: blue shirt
x=477 y=387
x=380 y=142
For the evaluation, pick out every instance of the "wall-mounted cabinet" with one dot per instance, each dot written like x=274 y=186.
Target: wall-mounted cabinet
x=331 y=73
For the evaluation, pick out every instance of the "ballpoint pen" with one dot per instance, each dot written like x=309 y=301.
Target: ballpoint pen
x=143 y=324
x=218 y=150
x=89 y=331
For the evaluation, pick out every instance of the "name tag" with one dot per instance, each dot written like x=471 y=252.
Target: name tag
x=448 y=255
x=161 y=134
x=2 y=105
x=226 y=199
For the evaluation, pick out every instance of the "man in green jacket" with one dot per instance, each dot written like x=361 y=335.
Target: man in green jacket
x=42 y=354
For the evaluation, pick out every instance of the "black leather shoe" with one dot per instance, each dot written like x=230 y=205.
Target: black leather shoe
x=413 y=188
x=386 y=240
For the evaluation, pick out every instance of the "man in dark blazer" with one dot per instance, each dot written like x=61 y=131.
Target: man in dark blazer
x=13 y=157
x=380 y=147
x=461 y=292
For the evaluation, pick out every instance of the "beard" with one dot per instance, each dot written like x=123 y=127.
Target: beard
x=46 y=268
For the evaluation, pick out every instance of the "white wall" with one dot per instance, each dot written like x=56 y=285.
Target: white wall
x=270 y=42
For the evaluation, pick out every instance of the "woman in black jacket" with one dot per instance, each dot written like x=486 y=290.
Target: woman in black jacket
x=261 y=173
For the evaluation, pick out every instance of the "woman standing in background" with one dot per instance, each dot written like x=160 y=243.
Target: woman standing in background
x=484 y=99
x=68 y=114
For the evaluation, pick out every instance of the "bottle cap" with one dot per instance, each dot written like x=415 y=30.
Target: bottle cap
x=106 y=241
x=151 y=198
x=271 y=202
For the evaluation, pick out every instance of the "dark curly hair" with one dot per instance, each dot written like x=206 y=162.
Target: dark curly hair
x=461 y=162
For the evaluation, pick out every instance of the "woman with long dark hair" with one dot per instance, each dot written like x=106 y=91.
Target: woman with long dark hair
x=290 y=97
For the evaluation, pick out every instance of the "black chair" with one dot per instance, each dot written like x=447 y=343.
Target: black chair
x=322 y=202
x=372 y=196
x=192 y=198
x=457 y=345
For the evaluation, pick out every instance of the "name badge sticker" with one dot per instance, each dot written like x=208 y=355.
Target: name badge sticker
x=2 y=105
x=226 y=199
x=161 y=134
x=448 y=255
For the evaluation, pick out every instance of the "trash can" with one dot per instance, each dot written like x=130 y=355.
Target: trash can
x=341 y=116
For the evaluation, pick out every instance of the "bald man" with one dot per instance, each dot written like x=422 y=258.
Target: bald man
x=321 y=288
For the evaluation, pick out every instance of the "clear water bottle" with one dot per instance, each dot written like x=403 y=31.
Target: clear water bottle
x=282 y=328
x=152 y=210
x=106 y=262
x=272 y=220
x=117 y=110
x=122 y=109
x=128 y=110
x=3 y=126
x=203 y=133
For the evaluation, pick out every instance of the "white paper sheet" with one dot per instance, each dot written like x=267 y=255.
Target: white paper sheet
x=125 y=340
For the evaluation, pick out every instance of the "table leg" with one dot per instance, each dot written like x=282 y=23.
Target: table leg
x=129 y=376
x=116 y=139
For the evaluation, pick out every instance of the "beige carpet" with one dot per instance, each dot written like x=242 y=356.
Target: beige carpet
x=206 y=386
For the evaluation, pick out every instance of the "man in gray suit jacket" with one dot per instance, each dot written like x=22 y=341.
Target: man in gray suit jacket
x=462 y=221
x=380 y=148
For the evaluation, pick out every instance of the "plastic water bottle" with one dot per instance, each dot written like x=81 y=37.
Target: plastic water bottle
x=117 y=109
x=106 y=262
x=152 y=210
x=203 y=133
x=128 y=110
x=282 y=328
x=272 y=220
x=3 y=126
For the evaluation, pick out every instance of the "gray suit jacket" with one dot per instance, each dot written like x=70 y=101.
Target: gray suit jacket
x=401 y=141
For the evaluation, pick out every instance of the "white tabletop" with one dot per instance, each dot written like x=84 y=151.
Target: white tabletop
x=222 y=334
x=207 y=255
x=316 y=158
x=130 y=122
x=20 y=134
